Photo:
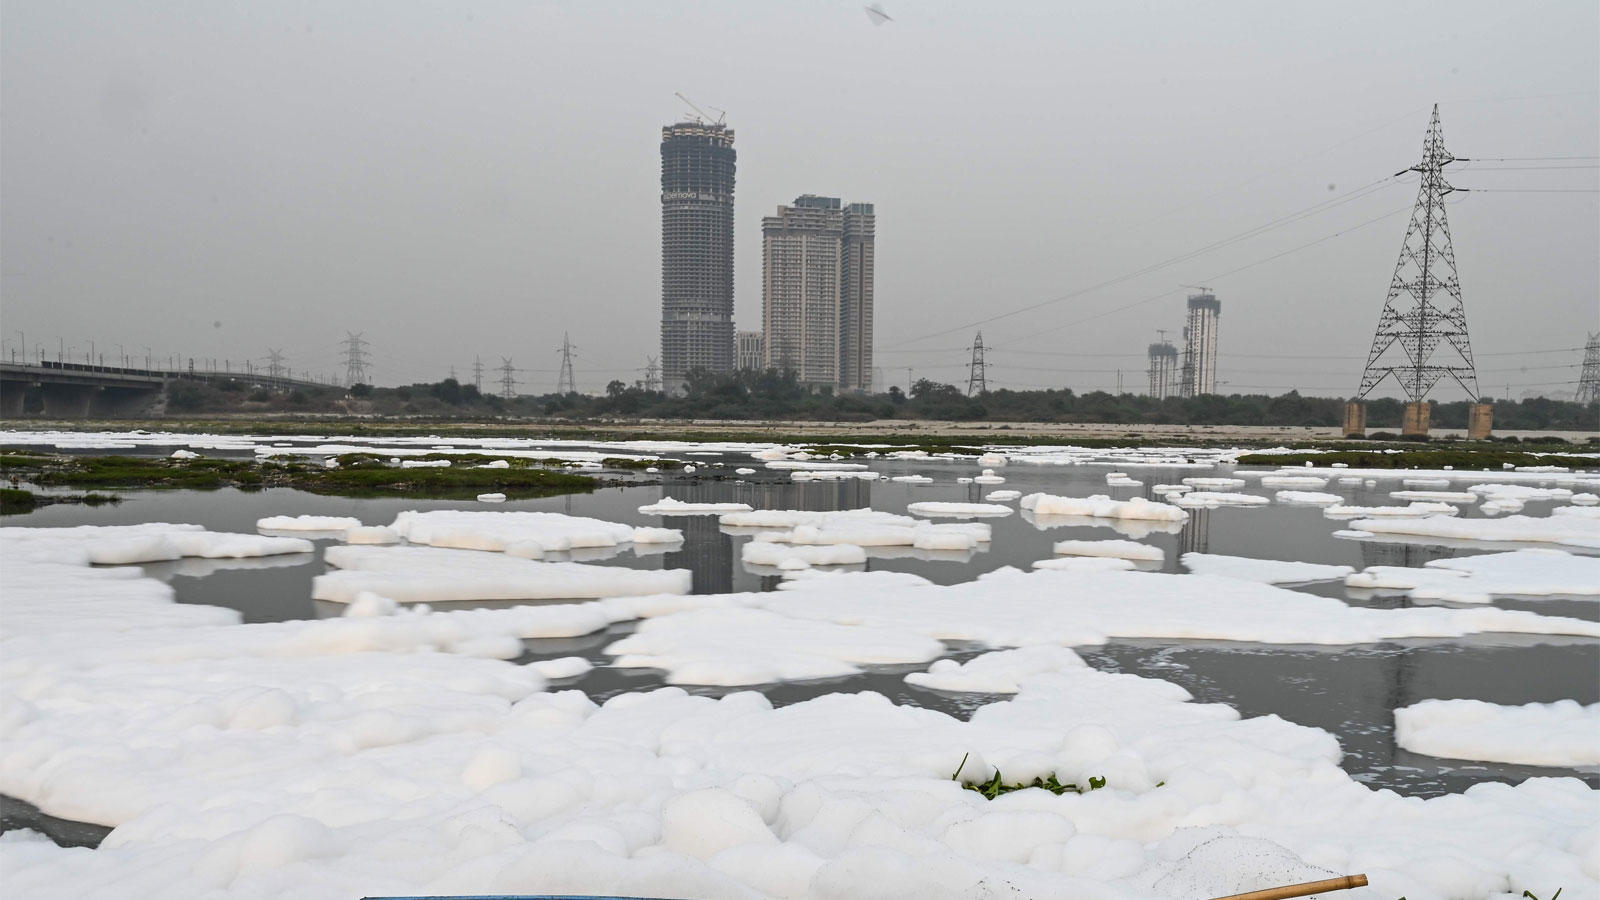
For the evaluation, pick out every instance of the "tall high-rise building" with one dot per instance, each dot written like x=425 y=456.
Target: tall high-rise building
x=751 y=357
x=697 y=169
x=817 y=259
x=1163 y=370
x=1199 y=375
x=857 y=267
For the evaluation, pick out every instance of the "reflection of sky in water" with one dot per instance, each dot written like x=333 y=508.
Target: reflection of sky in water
x=1350 y=691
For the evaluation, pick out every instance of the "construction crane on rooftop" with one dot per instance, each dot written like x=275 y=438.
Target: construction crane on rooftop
x=700 y=113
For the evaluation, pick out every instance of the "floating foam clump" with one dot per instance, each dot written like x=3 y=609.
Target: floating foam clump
x=667 y=506
x=117 y=545
x=1475 y=579
x=307 y=523
x=425 y=464
x=1000 y=672
x=1116 y=549
x=934 y=508
x=1084 y=564
x=912 y=479
x=180 y=453
x=376 y=534
x=495 y=497
x=526 y=534
x=1312 y=498
x=1293 y=481
x=1518 y=493
x=1208 y=483
x=1266 y=571
x=433 y=575
x=1410 y=510
x=989 y=477
x=772 y=553
x=744 y=471
x=992 y=460
x=1213 y=499
x=1437 y=496
x=1562 y=733
x=1571 y=531
x=1001 y=496
x=1102 y=506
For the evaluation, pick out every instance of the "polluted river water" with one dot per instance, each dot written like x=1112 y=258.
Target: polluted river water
x=1350 y=691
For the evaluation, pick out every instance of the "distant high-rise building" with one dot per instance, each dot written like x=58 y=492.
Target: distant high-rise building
x=697 y=170
x=857 y=267
x=750 y=353
x=1199 y=375
x=1163 y=370
x=817 y=260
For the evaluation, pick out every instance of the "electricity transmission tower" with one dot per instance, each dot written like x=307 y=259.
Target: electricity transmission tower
x=477 y=373
x=355 y=358
x=275 y=360
x=1423 y=312
x=652 y=375
x=1589 y=380
x=977 y=370
x=565 y=383
x=508 y=379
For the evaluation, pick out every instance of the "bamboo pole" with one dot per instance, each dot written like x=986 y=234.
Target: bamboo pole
x=1342 y=883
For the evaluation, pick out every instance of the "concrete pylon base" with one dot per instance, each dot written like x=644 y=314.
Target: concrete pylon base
x=1415 y=423
x=1480 y=421
x=1355 y=418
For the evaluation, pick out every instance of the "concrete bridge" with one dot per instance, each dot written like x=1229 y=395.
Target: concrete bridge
x=64 y=390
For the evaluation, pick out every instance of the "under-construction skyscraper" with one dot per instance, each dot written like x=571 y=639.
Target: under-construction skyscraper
x=1199 y=374
x=697 y=168
x=1163 y=370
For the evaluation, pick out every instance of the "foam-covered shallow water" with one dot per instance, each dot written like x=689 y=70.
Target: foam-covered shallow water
x=1350 y=691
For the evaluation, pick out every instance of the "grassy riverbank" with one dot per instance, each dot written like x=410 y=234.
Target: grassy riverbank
x=372 y=478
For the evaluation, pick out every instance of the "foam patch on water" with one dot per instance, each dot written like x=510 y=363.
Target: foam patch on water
x=525 y=534
x=1564 y=530
x=1113 y=549
x=1101 y=506
x=1477 y=579
x=433 y=575
x=668 y=506
x=1267 y=571
x=308 y=523
x=941 y=509
x=382 y=755
x=1563 y=733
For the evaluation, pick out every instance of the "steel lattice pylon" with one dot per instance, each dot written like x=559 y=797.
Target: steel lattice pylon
x=1423 y=312
x=1589 y=379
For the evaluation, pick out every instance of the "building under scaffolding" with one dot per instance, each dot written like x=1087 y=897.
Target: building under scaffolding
x=697 y=173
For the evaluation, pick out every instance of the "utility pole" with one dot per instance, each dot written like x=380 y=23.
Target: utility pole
x=508 y=379
x=1423 y=311
x=355 y=358
x=565 y=383
x=1589 y=381
x=977 y=370
x=477 y=373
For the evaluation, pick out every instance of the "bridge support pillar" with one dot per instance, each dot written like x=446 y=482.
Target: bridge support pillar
x=1480 y=421
x=1415 y=422
x=1355 y=419
x=68 y=401
x=11 y=395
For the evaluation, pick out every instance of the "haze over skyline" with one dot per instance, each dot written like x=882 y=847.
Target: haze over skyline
x=478 y=178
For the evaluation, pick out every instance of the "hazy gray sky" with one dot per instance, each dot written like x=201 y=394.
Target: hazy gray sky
x=460 y=178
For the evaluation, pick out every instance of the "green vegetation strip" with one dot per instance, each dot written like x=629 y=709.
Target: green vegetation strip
x=363 y=478
x=996 y=786
x=17 y=500
x=1421 y=459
